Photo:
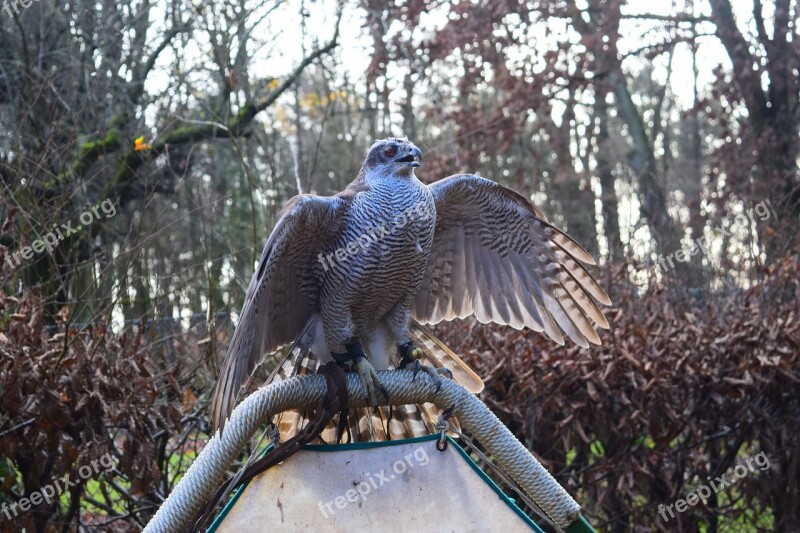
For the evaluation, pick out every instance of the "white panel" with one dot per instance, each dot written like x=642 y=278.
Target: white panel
x=406 y=487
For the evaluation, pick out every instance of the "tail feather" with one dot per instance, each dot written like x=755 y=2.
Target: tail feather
x=438 y=355
x=366 y=426
x=298 y=361
x=409 y=421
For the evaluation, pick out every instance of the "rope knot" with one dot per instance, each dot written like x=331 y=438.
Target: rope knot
x=443 y=425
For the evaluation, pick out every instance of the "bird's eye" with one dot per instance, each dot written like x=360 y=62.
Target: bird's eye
x=390 y=151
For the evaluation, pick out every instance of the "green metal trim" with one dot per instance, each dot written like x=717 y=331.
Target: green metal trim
x=503 y=496
x=580 y=525
x=228 y=506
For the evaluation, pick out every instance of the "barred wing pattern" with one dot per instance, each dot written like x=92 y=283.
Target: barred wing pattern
x=496 y=257
x=282 y=294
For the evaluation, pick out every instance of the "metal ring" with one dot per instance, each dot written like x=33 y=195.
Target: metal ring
x=441 y=444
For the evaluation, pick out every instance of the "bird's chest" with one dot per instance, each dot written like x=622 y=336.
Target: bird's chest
x=405 y=224
x=393 y=229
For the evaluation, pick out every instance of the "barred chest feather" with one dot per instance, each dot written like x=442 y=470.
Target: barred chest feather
x=388 y=240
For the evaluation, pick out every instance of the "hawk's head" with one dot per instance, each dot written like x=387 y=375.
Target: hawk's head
x=392 y=157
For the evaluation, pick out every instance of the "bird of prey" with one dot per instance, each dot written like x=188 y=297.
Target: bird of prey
x=352 y=277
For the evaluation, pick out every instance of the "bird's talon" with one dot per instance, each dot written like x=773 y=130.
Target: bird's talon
x=370 y=379
x=435 y=373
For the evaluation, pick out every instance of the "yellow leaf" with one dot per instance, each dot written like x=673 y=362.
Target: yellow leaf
x=139 y=145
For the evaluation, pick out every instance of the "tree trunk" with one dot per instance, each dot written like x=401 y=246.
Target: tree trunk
x=642 y=160
x=771 y=114
x=608 y=195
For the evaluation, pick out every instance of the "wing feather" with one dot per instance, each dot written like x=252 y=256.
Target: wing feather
x=282 y=294
x=505 y=263
x=571 y=247
x=576 y=314
x=499 y=305
x=536 y=293
x=531 y=317
x=584 y=302
x=584 y=279
x=458 y=279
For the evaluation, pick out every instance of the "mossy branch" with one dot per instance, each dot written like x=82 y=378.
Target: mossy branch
x=237 y=126
x=90 y=151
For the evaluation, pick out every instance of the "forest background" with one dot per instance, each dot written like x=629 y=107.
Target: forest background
x=146 y=148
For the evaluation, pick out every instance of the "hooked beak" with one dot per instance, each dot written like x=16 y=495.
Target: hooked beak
x=413 y=158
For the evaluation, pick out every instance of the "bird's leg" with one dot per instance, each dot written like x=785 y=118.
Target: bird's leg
x=410 y=353
x=355 y=354
x=398 y=322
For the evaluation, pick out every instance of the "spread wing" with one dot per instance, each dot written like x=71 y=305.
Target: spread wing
x=282 y=294
x=495 y=256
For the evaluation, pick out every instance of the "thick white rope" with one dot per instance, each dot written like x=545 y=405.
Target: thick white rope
x=303 y=392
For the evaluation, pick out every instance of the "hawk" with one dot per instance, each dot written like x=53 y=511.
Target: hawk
x=354 y=277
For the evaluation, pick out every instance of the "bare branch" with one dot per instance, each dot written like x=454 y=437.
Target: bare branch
x=138 y=87
x=681 y=17
x=746 y=69
x=666 y=46
x=758 y=15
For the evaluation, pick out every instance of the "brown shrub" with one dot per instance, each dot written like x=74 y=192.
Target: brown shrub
x=681 y=389
x=70 y=397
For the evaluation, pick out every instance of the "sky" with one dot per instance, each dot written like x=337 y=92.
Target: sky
x=355 y=47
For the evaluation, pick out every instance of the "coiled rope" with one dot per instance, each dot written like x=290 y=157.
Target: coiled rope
x=302 y=392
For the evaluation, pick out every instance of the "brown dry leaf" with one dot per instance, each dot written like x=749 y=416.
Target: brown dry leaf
x=189 y=400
